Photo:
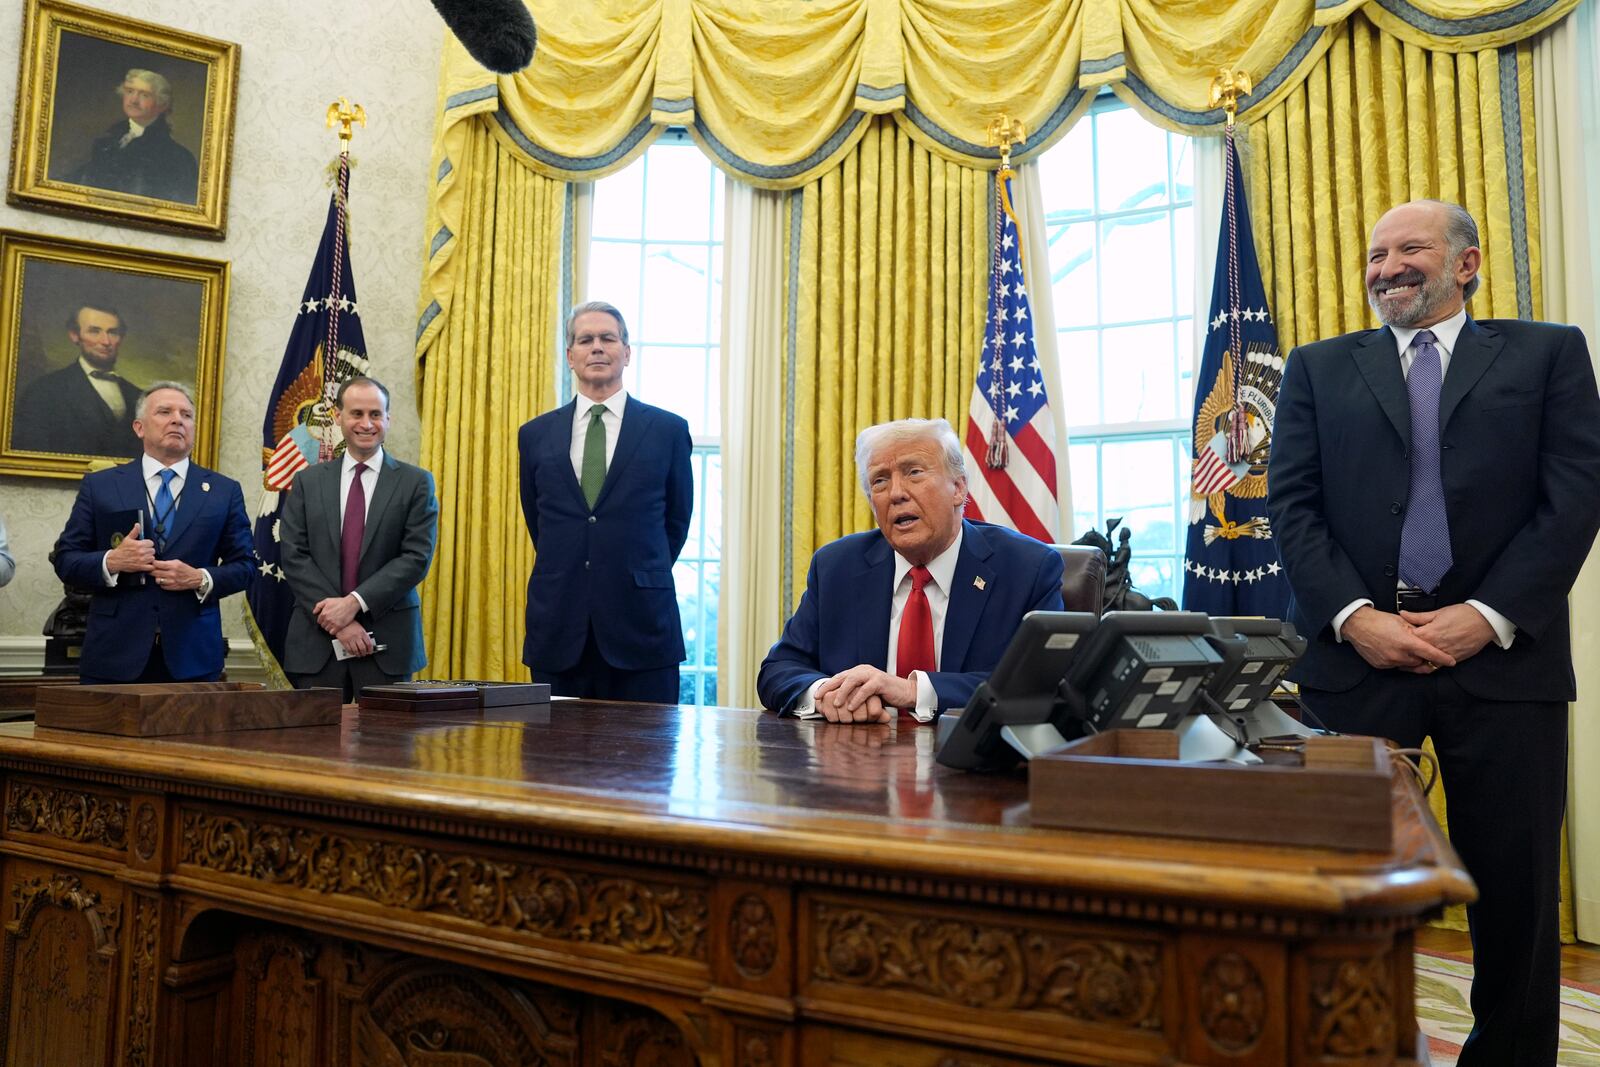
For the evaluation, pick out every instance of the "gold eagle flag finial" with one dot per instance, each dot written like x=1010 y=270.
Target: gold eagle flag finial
x=346 y=115
x=1005 y=131
x=1226 y=89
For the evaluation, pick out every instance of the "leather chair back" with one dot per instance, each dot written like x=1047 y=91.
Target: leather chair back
x=1083 y=577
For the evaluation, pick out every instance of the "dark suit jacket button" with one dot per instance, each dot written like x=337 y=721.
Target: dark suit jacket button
x=593 y=520
x=1388 y=570
x=1394 y=509
x=585 y=564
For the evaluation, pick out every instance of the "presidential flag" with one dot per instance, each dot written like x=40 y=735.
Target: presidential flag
x=299 y=428
x=1010 y=447
x=1231 y=563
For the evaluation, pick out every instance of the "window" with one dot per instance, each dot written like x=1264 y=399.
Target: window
x=1119 y=212
x=656 y=253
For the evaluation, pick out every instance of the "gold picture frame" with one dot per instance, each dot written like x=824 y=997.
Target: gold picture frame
x=140 y=317
x=83 y=77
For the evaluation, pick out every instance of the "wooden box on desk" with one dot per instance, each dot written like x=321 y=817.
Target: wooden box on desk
x=1130 y=781
x=152 y=709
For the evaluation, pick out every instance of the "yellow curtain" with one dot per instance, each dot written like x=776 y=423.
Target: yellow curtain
x=1378 y=121
x=887 y=271
x=488 y=367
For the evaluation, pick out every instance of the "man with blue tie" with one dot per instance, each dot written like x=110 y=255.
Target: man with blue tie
x=607 y=491
x=1434 y=488
x=161 y=541
x=912 y=615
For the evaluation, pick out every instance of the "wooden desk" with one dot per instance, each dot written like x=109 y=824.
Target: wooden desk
x=629 y=884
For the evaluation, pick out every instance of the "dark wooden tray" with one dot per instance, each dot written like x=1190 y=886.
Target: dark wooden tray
x=1129 y=781
x=154 y=709
x=451 y=696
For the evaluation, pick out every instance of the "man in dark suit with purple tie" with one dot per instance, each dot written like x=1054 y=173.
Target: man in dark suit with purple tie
x=607 y=491
x=1434 y=488
x=161 y=541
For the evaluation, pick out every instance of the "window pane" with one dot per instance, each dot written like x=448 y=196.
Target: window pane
x=677 y=194
x=1182 y=168
x=1072 y=282
x=676 y=288
x=1066 y=174
x=619 y=205
x=1135 y=268
x=1140 y=379
x=1154 y=575
x=1183 y=258
x=1079 y=354
x=712 y=572
x=1140 y=490
x=1131 y=155
x=614 y=278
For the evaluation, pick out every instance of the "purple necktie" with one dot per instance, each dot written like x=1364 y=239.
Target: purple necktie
x=1425 y=536
x=355 y=525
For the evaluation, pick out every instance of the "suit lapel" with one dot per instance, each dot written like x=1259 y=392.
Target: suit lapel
x=967 y=598
x=324 y=481
x=382 y=494
x=130 y=487
x=560 y=444
x=1378 y=360
x=190 y=501
x=875 y=583
x=1475 y=349
x=635 y=426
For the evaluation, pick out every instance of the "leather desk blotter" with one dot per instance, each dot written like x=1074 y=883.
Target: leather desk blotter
x=153 y=709
x=451 y=696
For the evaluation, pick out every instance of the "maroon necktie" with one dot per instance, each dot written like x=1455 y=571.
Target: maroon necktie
x=355 y=525
x=914 y=650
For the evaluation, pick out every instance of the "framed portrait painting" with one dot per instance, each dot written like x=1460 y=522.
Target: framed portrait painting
x=123 y=120
x=84 y=329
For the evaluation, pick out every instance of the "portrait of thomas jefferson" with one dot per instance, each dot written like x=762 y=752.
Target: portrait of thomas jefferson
x=127 y=119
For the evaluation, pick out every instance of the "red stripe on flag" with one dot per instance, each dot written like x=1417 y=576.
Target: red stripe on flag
x=1040 y=454
x=1015 y=505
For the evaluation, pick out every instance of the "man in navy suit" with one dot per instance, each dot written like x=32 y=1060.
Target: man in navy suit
x=607 y=491
x=1434 y=489
x=877 y=605
x=160 y=541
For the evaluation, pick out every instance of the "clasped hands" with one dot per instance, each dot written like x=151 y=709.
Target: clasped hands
x=864 y=694
x=1417 y=641
x=336 y=615
x=137 y=555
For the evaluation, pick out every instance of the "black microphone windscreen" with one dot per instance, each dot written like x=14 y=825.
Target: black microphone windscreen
x=497 y=33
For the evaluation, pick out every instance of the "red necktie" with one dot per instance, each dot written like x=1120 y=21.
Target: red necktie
x=914 y=650
x=355 y=525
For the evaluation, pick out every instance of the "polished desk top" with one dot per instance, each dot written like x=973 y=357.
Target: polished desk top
x=744 y=783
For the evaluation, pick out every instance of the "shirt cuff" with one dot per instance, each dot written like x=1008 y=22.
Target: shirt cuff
x=363 y=603
x=105 y=572
x=1505 y=631
x=806 y=706
x=206 y=583
x=1349 y=610
x=927 y=698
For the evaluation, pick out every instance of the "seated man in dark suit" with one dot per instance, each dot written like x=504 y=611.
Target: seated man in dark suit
x=161 y=541
x=878 y=605
x=86 y=407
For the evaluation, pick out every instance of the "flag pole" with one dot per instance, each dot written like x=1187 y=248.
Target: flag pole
x=1226 y=88
x=1004 y=131
x=347 y=116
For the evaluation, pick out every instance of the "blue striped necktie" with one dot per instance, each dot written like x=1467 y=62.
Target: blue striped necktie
x=1425 y=535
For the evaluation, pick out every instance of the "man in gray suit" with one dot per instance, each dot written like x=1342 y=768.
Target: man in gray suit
x=357 y=539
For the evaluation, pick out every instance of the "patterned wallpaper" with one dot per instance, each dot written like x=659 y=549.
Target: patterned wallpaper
x=296 y=57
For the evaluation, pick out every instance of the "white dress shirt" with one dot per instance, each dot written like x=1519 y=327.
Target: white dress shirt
x=152 y=468
x=369 y=483
x=941 y=572
x=611 y=420
x=135 y=131
x=108 y=389
x=1445 y=335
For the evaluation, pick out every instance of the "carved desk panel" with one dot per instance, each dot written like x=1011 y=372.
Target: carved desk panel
x=617 y=884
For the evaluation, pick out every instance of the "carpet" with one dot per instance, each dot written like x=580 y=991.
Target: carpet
x=1445 y=1017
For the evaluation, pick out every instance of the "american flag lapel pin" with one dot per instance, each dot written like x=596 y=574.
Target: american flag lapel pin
x=205 y=487
x=979 y=584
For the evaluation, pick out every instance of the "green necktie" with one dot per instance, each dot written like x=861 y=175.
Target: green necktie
x=594 y=456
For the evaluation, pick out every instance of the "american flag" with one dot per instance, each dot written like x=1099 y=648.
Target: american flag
x=1010 y=449
x=325 y=347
